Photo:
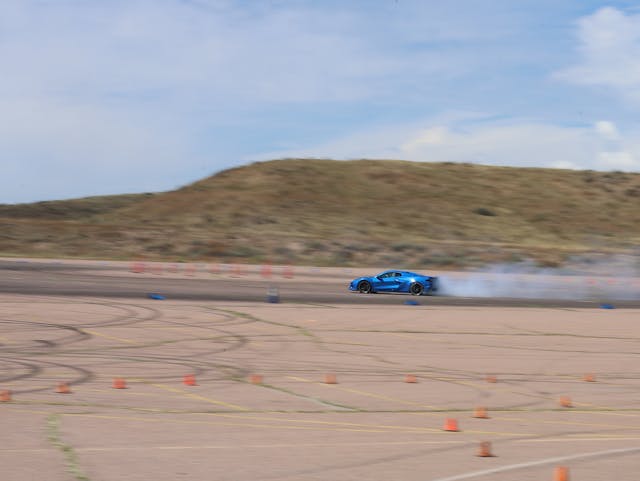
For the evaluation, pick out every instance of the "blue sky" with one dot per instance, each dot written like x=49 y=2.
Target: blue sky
x=105 y=97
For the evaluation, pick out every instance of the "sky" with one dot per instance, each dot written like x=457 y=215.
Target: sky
x=107 y=97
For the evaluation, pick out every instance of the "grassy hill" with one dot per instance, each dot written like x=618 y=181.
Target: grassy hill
x=363 y=212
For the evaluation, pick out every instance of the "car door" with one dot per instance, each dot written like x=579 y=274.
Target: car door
x=404 y=280
x=398 y=280
x=386 y=282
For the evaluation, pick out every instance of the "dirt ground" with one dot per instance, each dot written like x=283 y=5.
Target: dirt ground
x=519 y=364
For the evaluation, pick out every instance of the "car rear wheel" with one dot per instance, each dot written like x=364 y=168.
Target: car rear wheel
x=364 y=287
x=416 y=289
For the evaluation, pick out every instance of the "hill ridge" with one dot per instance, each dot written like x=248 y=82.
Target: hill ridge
x=328 y=212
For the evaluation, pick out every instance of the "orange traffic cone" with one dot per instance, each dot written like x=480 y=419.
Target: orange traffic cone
x=330 y=379
x=561 y=473
x=410 y=378
x=265 y=270
x=565 y=402
x=484 y=451
x=287 y=272
x=5 y=396
x=239 y=270
x=491 y=379
x=189 y=380
x=255 y=379
x=451 y=424
x=589 y=377
x=63 y=388
x=480 y=412
x=137 y=267
x=119 y=383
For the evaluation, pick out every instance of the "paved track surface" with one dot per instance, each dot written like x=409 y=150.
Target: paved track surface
x=115 y=280
x=559 y=384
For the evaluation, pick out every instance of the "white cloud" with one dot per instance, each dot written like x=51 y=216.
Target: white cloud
x=132 y=95
x=620 y=160
x=610 y=53
x=519 y=143
x=430 y=136
x=607 y=130
x=148 y=85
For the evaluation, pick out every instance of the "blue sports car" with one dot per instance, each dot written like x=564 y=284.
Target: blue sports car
x=395 y=281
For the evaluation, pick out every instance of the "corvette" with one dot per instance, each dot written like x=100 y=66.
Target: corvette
x=395 y=281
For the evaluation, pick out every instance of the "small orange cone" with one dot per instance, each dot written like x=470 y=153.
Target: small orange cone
x=137 y=267
x=5 y=396
x=265 y=271
x=451 y=424
x=63 y=388
x=119 y=383
x=484 y=451
x=287 y=272
x=565 y=402
x=480 y=412
x=330 y=379
x=189 y=380
x=410 y=378
x=589 y=377
x=491 y=379
x=255 y=379
x=561 y=473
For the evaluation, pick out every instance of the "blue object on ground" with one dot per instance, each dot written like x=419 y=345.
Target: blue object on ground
x=273 y=295
x=157 y=297
x=412 y=303
x=607 y=306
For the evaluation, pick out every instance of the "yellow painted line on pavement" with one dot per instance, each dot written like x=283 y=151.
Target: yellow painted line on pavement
x=30 y=411
x=307 y=425
x=231 y=446
x=566 y=423
x=364 y=393
x=130 y=392
x=470 y=384
x=384 y=427
x=572 y=438
x=596 y=406
x=611 y=413
x=284 y=423
x=468 y=431
x=113 y=338
x=27 y=450
x=259 y=446
x=236 y=424
x=196 y=396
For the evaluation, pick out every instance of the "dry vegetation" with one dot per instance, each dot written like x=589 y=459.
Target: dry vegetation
x=324 y=212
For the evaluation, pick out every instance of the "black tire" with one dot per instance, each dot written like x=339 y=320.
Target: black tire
x=364 y=287
x=416 y=289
